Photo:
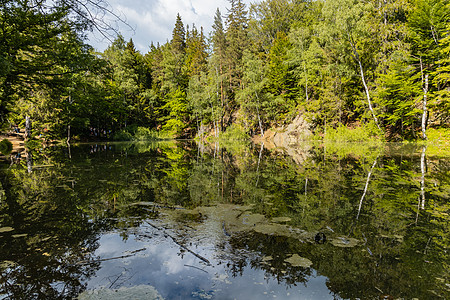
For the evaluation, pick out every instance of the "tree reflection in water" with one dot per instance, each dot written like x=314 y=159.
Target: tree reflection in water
x=249 y=211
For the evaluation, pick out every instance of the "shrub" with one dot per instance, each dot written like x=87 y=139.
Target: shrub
x=122 y=135
x=234 y=133
x=342 y=133
x=145 y=134
x=6 y=147
x=135 y=134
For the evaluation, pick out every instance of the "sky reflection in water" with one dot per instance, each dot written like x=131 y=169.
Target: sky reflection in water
x=177 y=277
x=225 y=223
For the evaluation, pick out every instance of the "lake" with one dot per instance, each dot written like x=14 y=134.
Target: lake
x=180 y=220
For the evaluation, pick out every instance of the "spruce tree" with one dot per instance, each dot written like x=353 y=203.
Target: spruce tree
x=178 y=41
x=236 y=35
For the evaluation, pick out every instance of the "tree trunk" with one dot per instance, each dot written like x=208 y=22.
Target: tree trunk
x=422 y=180
x=259 y=118
x=29 y=161
x=366 y=88
x=27 y=128
x=424 y=113
x=368 y=95
x=68 y=135
x=424 y=103
x=259 y=161
x=365 y=188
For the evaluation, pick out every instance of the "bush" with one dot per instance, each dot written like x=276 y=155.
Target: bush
x=6 y=147
x=368 y=132
x=145 y=134
x=234 y=133
x=122 y=135
x=135 y=134
x=33 y=144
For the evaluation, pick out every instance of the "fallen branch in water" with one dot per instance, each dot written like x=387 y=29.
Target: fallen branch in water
x=179 y=244
x=196 y=268
x=110 y=258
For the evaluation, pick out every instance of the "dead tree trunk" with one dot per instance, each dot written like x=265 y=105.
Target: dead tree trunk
x=424 y=103
x=422 y=180
x=365 y=188
x=259 y=118
x=363 y=79
x=27 y=128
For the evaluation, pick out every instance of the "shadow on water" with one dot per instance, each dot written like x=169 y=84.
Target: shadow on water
x=178 y=220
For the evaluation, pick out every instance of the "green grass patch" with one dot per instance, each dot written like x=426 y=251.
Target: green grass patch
x=367 y=132
x=438 y=143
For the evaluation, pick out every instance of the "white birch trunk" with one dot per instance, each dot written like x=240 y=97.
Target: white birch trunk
x=422 y=180
x=424 y=108
x=365 y=188
x=366 y=88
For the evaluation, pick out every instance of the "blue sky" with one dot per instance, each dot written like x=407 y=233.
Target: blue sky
x=153 y=20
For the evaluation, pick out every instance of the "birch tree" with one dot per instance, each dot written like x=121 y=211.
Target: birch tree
x=347 y=24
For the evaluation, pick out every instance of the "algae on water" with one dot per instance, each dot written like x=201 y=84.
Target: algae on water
x=6 y=229
x=298 y=261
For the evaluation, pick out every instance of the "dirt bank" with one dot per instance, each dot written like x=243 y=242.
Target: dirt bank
x=16 y=140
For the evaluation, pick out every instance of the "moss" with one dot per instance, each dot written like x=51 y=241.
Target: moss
x=298 y=261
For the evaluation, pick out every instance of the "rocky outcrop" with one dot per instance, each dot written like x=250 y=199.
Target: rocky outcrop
x=293 y=134
x=291 y=139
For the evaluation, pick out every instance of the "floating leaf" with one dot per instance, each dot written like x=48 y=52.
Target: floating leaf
x=135 y=292
x=267 y=258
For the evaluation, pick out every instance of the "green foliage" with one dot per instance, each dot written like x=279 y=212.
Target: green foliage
x=5 y=147
x=33 y=144
x=122 y=135
x=234 y=133
x=133 y=133
x=399 y=94
x=365 y=133
x=177 y=108
x=341 y=63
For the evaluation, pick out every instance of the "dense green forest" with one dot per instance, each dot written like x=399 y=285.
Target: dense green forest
x=380 y=64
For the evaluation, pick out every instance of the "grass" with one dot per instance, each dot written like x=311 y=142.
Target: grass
x=438 y=143
x=367 y=132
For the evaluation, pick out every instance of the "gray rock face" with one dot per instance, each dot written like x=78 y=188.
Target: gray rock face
x=294 y=133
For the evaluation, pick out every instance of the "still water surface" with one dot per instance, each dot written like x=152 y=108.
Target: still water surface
x=175 y=220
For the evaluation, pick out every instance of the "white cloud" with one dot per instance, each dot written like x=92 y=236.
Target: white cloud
x=153 y=20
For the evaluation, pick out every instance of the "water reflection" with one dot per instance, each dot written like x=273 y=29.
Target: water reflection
x=178 y=221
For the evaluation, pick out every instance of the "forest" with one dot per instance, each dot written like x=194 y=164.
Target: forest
x=383 y=65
